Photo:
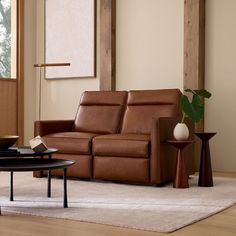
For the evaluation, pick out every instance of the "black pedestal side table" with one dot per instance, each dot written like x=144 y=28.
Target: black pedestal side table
x=205 y=172
x=181 y=175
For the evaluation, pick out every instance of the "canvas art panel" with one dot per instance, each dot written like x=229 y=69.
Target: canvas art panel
x=70 y=37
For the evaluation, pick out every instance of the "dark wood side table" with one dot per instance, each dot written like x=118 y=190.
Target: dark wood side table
x=205 y=172
x=181 y=175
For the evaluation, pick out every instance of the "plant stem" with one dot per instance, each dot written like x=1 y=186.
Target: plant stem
x=183 y=117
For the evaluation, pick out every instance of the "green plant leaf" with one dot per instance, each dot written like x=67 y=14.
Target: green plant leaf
x=193 y=110
x=198 y=108
x=203 y=93
x=185 y=105
x=189 y=90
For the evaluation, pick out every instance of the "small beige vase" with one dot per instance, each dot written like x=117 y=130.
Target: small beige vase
x=181 y=132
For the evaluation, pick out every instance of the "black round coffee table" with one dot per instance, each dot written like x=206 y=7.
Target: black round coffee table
x=26 y=151
x=12 y=161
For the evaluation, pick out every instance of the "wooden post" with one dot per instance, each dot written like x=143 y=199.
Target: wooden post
x=107 y=44
x=20 y=70
x=194 y=53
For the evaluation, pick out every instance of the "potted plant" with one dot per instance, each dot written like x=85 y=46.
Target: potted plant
x=193 y=109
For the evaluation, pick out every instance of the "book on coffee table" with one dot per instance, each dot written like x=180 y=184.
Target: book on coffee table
x=8 y=150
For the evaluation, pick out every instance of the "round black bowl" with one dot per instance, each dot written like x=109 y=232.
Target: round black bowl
x=7 y=141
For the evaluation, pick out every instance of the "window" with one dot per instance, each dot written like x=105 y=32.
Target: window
x=8 y=38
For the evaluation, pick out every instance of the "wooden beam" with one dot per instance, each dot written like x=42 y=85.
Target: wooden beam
x=8 y=104
x=107 y=44
x=194 y=52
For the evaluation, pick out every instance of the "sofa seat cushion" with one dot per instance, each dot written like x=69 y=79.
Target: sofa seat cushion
x=70 y=142
x=122 y=145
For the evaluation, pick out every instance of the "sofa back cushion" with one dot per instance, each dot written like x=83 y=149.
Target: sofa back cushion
x=143 y=105
x=100 y=112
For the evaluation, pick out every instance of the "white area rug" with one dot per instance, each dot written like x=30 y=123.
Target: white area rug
x=140 y=207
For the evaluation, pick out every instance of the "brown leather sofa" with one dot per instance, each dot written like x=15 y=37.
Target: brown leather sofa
x=119 y=135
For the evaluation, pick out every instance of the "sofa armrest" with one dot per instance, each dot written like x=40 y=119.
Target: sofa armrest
x=162 y=163
x=45 y=127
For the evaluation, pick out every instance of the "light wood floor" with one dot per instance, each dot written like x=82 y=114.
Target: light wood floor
x=222 y=224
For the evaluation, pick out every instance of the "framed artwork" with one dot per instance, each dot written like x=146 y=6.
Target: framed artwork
x=70 y=37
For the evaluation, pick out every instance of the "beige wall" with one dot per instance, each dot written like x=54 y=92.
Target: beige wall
x=149 y=44
x=61 y=97
x=149 y=56
x=221 y=81
x=145 y=59
x=30 y=75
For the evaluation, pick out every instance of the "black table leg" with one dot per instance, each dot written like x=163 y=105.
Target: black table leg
x=65 y=188
x=49 y=183
x=11 y=186
x=49 y=179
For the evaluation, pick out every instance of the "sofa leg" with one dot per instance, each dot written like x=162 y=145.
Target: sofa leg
x=38 y=174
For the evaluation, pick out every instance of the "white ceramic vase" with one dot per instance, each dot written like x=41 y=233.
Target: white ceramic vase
x=181 y=132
